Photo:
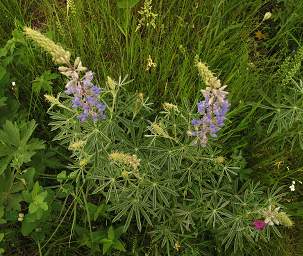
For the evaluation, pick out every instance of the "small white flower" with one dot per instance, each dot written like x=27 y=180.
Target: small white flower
x=13 y=83
x=292 y=187
x=20 y=217
x=293 y=182
x=267 y=16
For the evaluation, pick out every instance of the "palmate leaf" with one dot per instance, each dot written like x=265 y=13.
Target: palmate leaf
x=44 y=82
x=159 y=193
x=65 y=125
x=133 y=207
x=216 y=213
x=15 y=144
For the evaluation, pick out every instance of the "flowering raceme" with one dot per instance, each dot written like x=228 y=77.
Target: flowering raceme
x=86 y=98
x=84 y=91
x=213 y=109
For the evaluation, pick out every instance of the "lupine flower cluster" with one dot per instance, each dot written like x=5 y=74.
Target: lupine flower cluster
x=85 y=93
x=213 y=109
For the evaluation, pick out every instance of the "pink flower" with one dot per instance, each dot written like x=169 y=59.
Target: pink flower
x=259 y=224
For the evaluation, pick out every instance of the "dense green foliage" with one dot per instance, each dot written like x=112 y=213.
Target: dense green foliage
x=134 y=183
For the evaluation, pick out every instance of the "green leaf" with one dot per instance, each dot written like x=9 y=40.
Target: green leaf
x=15 y=144
x=46 y=159
x=101 y=210
x=111 y=233
x=1 y=236
x=28 y=226
x=3 y=73
x=28 y=131
x=73 y=175
x=119 y=246
x=44 y=82
x=1 y=211
x=2 y=101
x=61 y=176
x=36 y=190
x=2 y=221
x=4 y=163
x=28 y=177
x=38 y=203
x=106 y=245
x=10 y=134
x=127 y=4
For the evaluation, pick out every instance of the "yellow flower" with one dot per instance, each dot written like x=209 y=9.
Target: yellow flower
x=177 y=246
x=111 y=83
x=55 y=101
x=51 y=99
x=76 y=145
x=220 y=159
x=278 y=163
x=126 y=159
x=124 y=174
x=157 y=129
x=150 y=63
x=169 y=107
x=139 y=101
x=84 y=162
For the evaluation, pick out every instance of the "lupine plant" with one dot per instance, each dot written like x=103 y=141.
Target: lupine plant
x=154 y=180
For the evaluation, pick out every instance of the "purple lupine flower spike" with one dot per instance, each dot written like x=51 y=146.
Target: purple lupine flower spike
x=213 y=109
x=86 y=97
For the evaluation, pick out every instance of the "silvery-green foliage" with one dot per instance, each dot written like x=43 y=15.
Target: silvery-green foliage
x=284 y=115
x=179 y=194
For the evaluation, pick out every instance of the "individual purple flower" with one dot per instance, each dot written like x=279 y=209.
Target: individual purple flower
x=259 y=224
x=76 y=102
x=96 y=90
x=86 y=98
